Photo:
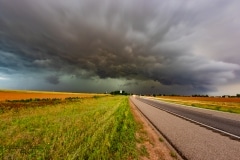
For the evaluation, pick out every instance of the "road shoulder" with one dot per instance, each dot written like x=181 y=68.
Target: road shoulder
x=153 y=142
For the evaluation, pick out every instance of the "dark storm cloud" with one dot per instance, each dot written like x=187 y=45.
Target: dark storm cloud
x=53 y=79
x=186 y=43
x=130 y=84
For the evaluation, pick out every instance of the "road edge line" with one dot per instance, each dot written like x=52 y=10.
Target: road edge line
x=179 y=154
x=232 y=136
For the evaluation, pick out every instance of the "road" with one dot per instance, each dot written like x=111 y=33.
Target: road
x=230 y=126
x=195 y=139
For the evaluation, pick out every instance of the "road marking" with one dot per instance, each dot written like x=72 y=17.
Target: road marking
x=180 y=155
x=199 y=123
x=185 y=105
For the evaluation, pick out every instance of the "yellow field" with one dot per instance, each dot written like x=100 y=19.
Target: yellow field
x=214 y=103
x=17 y=95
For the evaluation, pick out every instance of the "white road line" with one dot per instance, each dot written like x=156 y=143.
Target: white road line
x=202 y=124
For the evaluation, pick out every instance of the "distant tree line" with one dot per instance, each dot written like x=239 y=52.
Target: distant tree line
x=237 y=96
x=194 y=95
x=178 y=95
x=173 y=95
x=119 y=93
x=198 y=95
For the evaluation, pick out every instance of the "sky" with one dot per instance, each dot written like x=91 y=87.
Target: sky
x=140 y=46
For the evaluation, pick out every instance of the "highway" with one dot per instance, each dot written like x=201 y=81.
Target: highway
x=229 y=126
x=195 y=133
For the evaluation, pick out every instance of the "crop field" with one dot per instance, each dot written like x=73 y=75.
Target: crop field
x=215 y=103
x=70 y=128
x=17 y=95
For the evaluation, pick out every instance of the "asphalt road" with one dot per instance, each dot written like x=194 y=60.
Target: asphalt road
x=193 y=141
x=222 y=123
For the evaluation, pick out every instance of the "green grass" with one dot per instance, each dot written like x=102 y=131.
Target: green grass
x=91 y=128
x=143 y=151
x=173 y=154
x=161 y=139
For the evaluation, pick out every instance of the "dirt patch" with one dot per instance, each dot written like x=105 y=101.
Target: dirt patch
x=151 y=141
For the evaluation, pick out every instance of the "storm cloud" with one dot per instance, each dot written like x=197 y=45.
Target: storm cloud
x=176 y=43
x=52 y=79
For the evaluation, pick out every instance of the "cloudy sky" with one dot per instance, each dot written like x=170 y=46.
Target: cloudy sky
x=141 y=46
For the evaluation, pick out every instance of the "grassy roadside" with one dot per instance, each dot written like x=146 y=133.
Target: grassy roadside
x=93 y=128
x=150 y=144
x=232 y=107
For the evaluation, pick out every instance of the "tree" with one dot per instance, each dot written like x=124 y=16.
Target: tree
x=119 y=93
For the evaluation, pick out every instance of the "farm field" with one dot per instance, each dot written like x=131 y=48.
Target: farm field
x=17 y=95
x=215 y=103
x=72 y=128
